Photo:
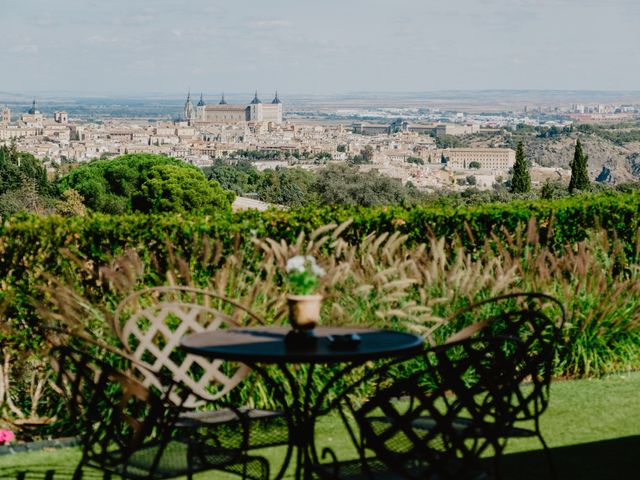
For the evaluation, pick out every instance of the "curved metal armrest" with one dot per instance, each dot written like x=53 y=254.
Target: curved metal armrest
x=532 y=302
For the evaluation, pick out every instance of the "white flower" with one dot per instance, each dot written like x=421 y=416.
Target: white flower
x=296 y=264
x=301 y=263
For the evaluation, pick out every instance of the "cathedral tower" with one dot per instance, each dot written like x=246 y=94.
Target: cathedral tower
x=188 y=109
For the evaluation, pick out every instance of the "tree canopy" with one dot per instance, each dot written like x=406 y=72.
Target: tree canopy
x=449 y=141
x=282 y=186
x=346 y=185
x=286 y=186
x=146 y=183
x=24 y=186
x=18 y=167
x=241 y=177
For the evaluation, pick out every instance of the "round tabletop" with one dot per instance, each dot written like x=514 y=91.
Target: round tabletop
x=267 y=345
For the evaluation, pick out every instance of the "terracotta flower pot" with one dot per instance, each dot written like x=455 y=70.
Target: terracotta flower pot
x=304 y=311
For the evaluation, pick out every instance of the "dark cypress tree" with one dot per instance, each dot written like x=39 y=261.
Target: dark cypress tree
x=579 y=176
x=521 y=180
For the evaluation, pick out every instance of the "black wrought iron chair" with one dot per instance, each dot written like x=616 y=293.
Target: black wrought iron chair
x=537 y=320
x=410 y=428
x=130 y=431
x=150 y=324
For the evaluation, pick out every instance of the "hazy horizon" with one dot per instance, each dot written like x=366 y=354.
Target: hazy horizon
x=332 y=47
x=266 y=95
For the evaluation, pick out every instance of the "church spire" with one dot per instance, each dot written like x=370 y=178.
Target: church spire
x=32 y=111
x=201 y=102
x=188 y=108
x=222 y=100
x=255 y=100
x=276 y=100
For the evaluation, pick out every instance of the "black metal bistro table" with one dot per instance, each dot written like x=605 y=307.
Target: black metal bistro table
x=261 y=347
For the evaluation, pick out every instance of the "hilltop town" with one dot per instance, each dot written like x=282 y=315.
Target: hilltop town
x=461 y=152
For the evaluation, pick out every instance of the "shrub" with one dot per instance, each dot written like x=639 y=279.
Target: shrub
x=145 y=183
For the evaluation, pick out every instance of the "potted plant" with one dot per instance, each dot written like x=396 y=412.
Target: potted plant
x=303 y=274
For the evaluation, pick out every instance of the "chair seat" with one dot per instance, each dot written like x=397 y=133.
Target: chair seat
x=223 y=415
x=266 y=427
x=464 y=426
x=177 y=460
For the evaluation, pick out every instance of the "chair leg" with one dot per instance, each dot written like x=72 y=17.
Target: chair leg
x=285 y=463
x=497 y=466
x=77 y=474
x=547 y=452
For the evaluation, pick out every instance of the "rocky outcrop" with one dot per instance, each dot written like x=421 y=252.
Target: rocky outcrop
x=607 y=162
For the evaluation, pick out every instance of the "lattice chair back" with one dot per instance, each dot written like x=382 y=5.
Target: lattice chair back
x=439 y=421
x=153 y=321
x=115 y=413
x=537 y=320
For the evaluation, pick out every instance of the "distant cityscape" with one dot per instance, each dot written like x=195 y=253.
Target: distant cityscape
x=403 y=141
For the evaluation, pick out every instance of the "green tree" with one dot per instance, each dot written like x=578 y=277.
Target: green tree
x=521 y=179
x=552 y=189
x=415 y=160
x=367 y=154
x=241 y=177
x=286 y=186
x=449 y=141
x=70 y=204
x=579 y=176
x=25 y=198
x=346 y=185
x=115 y=186
x=17 y=167
x=282 y=186
x=173 y=188
x=474 y=164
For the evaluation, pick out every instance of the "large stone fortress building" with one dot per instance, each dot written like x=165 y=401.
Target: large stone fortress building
x=223 y=112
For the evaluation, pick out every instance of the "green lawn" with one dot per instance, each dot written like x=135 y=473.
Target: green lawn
x=593 y=427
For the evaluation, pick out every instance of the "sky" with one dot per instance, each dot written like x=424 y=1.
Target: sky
x=317 y=47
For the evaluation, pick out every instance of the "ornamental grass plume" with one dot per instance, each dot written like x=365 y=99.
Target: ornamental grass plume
x=385 y=280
